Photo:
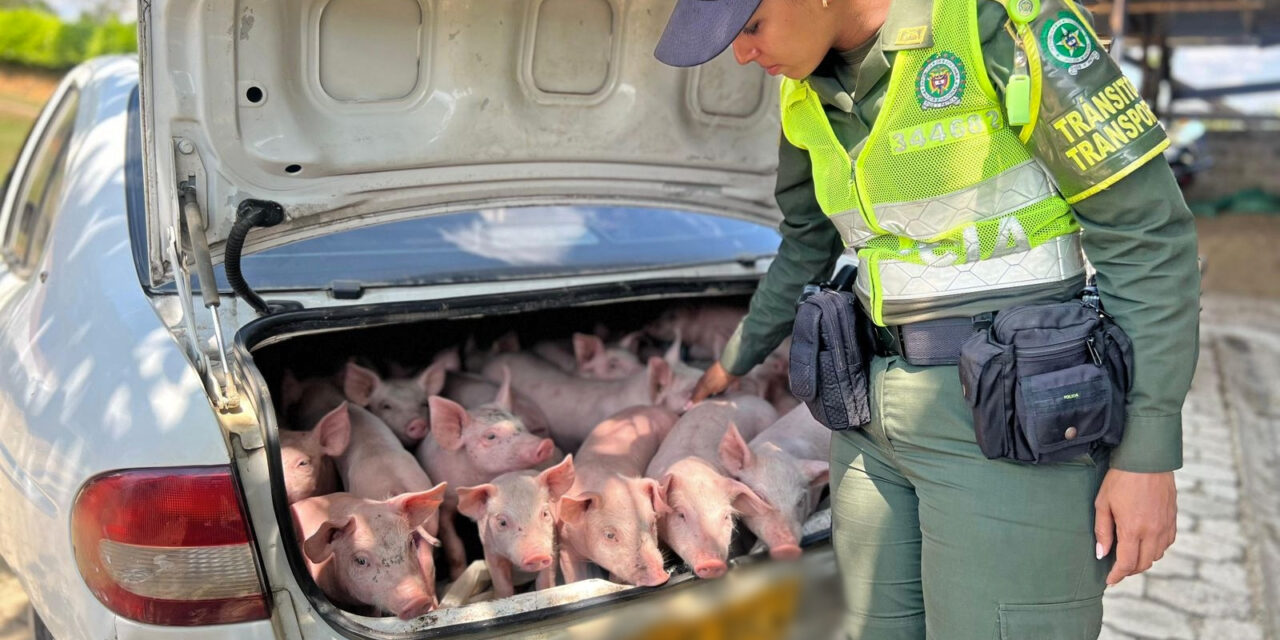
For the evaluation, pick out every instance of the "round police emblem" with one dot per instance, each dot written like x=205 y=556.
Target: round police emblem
x=941 y=81
x=1069 y=44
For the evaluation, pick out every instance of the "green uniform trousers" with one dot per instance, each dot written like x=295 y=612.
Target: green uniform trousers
x=936 y=541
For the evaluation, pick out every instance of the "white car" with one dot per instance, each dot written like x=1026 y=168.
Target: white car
x=432 y=168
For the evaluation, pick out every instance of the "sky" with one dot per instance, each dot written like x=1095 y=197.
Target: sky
x=126 y=9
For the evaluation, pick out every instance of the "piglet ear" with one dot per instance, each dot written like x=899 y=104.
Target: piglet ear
x=359 y=383
x=735 y=455
x=559 y=479
x=660 y=379
x=431 y=380
x=472 y=500
x=586 y=348
x=449 y=359
x=746 y=501
x=817 y=472
x=334 y=431
x=631 y=341
x=665 y=485
x=420 y=506
x=573 y=510
x=448 y=420
x=319 y=546
x=503 y=399
x=655 y=493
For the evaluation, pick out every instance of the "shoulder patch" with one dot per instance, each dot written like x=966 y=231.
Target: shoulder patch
x=1068 y=43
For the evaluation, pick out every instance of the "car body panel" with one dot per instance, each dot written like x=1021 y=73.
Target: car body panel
x=90 y=379
x=350 y=113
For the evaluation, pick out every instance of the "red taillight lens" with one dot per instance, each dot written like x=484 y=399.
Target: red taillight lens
x=167 y=546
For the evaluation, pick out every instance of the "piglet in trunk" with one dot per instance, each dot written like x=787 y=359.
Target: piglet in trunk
x=703 y=499
x=307 y=457
x=610 y=515
x=575 y=405
x=304 y=402
x=786 y=465
x=516 y=517
x=473 y=390
x=400 y=402
x=587 y=356
x=371 y=553
x=466 y=448
x=375 y=465
x=705 y=327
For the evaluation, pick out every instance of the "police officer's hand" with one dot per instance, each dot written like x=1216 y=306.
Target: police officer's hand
x=714 y=381
x=1138 y=512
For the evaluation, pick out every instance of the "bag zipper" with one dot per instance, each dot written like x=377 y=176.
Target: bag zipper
x=1042 y=353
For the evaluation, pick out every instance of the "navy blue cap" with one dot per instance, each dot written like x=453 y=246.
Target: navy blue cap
x=698 y=30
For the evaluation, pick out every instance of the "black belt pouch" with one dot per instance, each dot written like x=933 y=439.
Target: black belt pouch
x=830 y=355
x=1047 y=382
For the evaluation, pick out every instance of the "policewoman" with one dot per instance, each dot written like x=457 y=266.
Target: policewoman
x=973 y=155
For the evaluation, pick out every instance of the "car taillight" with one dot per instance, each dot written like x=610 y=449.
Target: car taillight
x=167 y=546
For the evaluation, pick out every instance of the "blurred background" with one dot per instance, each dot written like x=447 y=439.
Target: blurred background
x=1211 y=71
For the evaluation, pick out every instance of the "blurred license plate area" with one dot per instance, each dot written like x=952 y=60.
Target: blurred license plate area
x=768 y=614
x=759 y=599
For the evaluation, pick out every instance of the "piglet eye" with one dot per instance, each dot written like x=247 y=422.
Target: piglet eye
x=502 y=522
x=303 y=463
x=610 y=535
x=680 y=514
x=361 y=561
x=546 y=513
x=386 y=406
x=491 y=436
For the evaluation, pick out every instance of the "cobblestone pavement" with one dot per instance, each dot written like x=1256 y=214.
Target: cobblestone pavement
x=1219 y=579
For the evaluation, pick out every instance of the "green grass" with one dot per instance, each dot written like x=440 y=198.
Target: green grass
x=13 y=131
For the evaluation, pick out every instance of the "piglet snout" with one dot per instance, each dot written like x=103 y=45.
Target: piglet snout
x=709 y=569
x=535 y=562
x=417 y=428
x=417 y=607
x=543 y=451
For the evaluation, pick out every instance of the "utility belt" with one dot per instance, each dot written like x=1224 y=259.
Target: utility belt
x=1045 y=382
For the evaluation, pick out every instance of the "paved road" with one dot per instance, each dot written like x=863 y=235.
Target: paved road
x=1221 y=579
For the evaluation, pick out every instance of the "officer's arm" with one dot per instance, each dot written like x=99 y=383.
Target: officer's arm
x=809 y=249
x=1141 y=238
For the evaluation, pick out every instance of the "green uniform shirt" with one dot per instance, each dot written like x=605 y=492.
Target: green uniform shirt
x=1138 y=234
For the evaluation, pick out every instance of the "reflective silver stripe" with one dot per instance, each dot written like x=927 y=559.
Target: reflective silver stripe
x=853 y=228
x=922 y=220
x=905 y=282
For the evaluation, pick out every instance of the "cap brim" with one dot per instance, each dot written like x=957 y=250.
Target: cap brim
x=698 y=30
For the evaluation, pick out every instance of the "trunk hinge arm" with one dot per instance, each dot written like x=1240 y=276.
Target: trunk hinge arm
x=228 y=398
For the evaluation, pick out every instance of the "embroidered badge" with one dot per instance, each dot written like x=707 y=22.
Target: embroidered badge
x=1069 y=44
x=941 y=81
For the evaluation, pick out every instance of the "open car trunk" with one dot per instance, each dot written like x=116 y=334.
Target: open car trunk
x=756 y=591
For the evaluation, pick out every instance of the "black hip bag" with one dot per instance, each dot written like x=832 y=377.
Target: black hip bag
x=1047 y=382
